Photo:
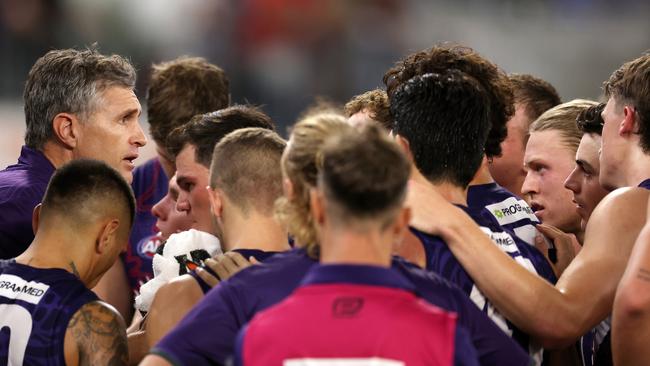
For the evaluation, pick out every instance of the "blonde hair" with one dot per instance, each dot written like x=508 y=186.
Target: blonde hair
x=299 y=164
x=562 y=118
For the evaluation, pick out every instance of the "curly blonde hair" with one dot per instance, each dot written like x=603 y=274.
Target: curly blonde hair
x=299 y=166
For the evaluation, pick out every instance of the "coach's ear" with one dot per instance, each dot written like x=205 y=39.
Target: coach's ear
x=36 y=217
x=66 y=129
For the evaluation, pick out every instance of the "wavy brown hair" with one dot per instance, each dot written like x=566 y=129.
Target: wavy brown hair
x=441 y=58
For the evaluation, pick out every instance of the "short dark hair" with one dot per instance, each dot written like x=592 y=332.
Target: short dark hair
x=179 y=90
x=377 y=104
x=83 y=188
x=246 y=166
x=363 y=173
x=631 y=84
x=535 y=94
x=69 y=81
x=590 y=120
x=494 y=81
x=204 y=131
x=444 y=117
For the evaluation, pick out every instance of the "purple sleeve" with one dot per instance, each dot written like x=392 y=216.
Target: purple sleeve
x=207 y=333
x=464 y=351
x=239 y=347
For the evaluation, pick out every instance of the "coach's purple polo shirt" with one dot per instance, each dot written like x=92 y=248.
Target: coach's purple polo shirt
x=357 y=312
x=207 y=334
x=22 y=187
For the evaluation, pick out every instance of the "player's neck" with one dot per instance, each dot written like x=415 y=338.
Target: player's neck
x=341 y=246
x=483 y=175
x=637 y=168
x=254 y=232
x=46 y=252
x=451 y=193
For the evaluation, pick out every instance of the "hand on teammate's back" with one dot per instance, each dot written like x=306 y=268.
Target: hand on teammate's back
x=224 y=266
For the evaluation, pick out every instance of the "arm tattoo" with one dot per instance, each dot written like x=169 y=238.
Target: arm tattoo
x=100 y=334
x=644 y=274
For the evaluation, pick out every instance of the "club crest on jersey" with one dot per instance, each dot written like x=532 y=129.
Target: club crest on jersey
x=147 y=246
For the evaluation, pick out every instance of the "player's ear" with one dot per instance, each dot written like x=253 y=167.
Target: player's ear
x=317 y=206
x=287 y=186
x=67 y=129
x=216 y=202
x=404 y=144
x=401 y=222
x=630 y=122
x=36 y=217
x=107 y=235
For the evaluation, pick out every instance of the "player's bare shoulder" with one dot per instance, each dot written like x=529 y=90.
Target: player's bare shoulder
x=620 y=213
x=624 y=202
x=96 y=335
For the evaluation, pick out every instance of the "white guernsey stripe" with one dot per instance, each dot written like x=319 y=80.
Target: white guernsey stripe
x=373 y=361
x=526 y=233
x=14 y=287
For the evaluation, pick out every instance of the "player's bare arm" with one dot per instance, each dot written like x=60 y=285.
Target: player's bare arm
x=176 y=298
x=96 y=335
x=631 y=315
x=583 y=296
x=172 y=301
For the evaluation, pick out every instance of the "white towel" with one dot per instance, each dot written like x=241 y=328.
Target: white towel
x=166 y=266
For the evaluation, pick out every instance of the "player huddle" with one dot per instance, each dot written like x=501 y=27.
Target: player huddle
x=460 y=216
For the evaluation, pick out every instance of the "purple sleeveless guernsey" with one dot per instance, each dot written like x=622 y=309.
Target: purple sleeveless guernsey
x=150 y=185
x=35 y=308
x=441 y=260
x=207 y=333
x=354 y=313
x=511 y=212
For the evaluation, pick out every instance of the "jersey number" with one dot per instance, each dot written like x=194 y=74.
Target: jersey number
x=19 y=322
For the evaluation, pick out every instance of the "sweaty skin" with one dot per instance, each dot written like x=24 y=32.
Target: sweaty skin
x=96 y=335
x=584 y=294
x=631 y=317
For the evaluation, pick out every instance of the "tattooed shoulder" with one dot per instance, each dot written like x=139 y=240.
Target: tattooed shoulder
x=100 y=334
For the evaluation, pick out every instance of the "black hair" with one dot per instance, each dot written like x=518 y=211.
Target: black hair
x=78 y=185
x=445 y=119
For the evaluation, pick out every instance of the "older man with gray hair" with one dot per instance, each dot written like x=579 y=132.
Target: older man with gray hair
x=78 y=104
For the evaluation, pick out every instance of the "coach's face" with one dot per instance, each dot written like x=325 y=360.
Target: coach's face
x=112 y=132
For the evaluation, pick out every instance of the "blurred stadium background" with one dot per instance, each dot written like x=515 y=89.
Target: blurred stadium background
x=280 y=54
